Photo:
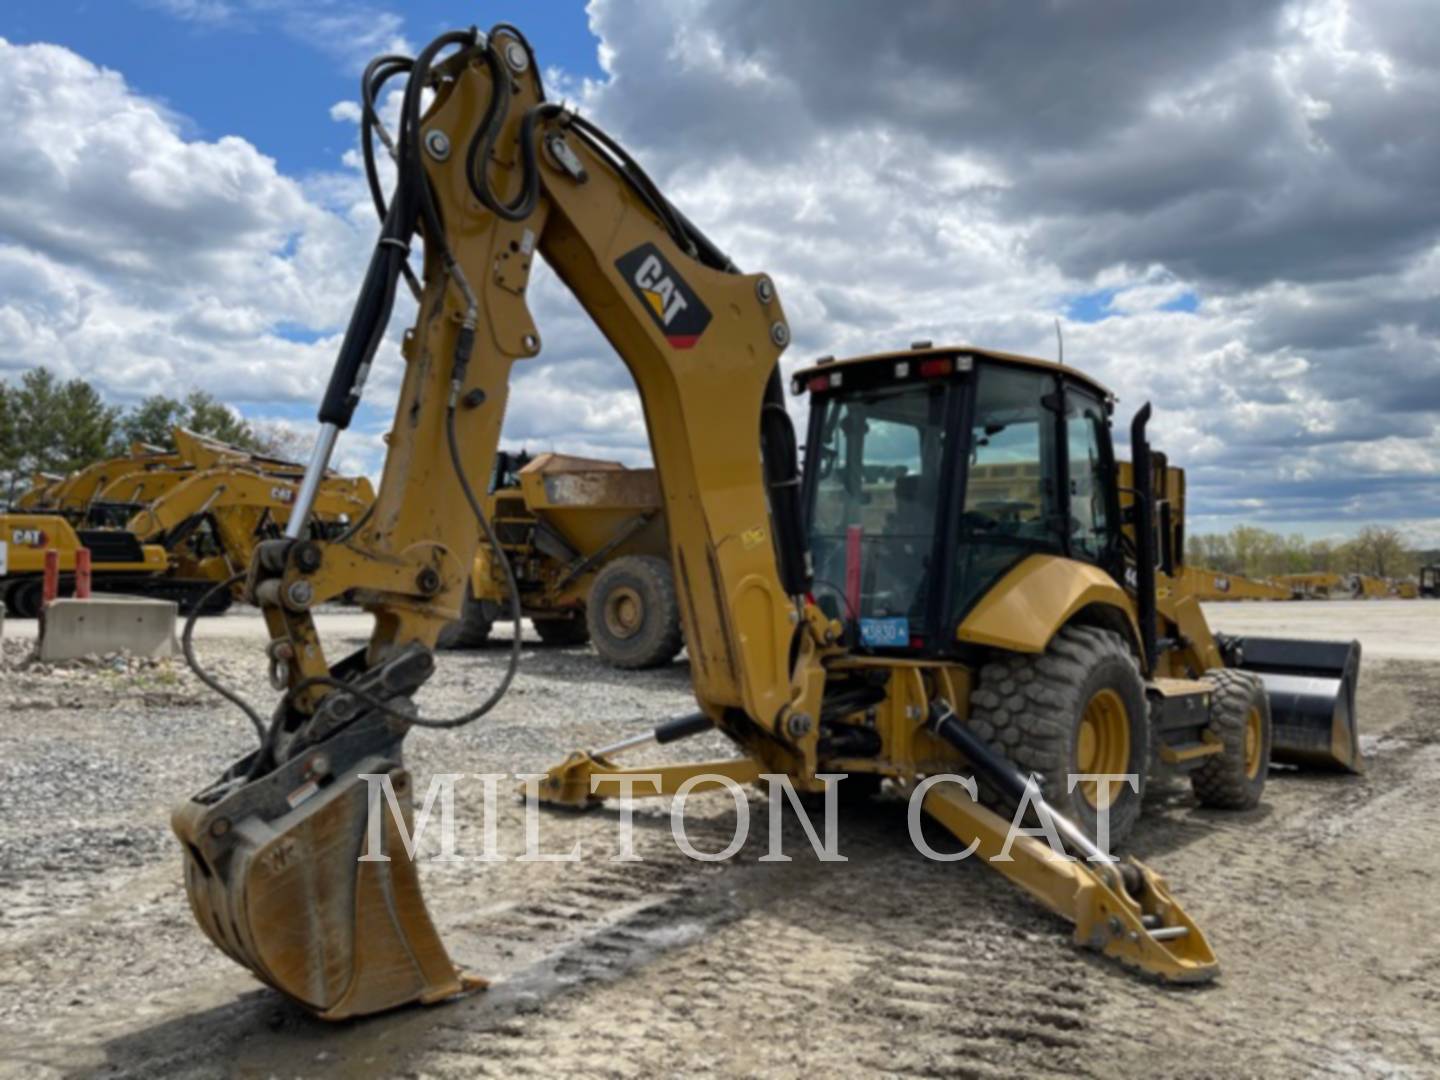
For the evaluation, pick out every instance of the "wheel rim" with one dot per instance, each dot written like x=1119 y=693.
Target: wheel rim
x=624 y=612
x=1102 y=746
x=1254 y=742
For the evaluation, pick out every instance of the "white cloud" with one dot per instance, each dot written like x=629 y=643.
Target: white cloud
x=957 y=179
x=149 y=262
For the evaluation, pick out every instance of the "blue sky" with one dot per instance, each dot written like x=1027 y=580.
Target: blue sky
x=223 y=73
x=1232 y=209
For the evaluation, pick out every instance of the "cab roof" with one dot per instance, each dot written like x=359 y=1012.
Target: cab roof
x=826 y=364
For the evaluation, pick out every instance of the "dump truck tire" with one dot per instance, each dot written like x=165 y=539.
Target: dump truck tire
x=472 y=629
x=1240 y=715
x=633 y=613
x=571 y=631
x=1078 y=707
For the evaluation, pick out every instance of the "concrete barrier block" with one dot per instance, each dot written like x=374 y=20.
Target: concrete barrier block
x=76 y=628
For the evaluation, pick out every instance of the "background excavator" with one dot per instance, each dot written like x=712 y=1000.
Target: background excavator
x=166 y=524
x=963 y=581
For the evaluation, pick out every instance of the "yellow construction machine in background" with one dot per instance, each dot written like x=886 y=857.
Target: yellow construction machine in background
x=586 y=541
x=165 y=524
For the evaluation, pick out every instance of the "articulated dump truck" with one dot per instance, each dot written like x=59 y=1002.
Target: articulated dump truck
x=167 y=525
x=586 y=539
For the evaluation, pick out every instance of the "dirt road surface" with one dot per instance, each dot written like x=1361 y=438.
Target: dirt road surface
x=1320 y=903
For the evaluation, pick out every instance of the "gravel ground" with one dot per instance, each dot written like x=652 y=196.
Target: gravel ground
x=1319 y=903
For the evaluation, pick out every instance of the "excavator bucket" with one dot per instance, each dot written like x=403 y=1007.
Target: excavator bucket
x=276 y=879
x=1312 y=698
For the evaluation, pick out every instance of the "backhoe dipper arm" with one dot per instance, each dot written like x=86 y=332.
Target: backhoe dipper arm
x=701 y=341
x=491 y=175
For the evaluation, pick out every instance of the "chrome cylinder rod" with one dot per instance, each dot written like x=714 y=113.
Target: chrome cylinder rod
x=310 y=486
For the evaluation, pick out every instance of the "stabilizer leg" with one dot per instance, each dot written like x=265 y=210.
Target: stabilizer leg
x=1123 y=910
x=1139 y=924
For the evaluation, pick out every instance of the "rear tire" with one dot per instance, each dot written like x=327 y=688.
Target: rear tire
x=568 y=631
x=1240 y=715
x=633 y=613
x=472 y=629
x=1079 y=707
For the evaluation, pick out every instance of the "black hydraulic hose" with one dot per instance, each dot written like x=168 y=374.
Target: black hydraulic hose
x=377 y=294
x=187 y=646
x=512 y=587
x=377 y=73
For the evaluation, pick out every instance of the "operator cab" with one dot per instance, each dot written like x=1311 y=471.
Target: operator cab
x=930 y=474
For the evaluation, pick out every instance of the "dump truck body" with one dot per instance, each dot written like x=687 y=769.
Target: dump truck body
x=562 y=521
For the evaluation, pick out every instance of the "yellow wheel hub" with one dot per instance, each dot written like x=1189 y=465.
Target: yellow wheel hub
x=1254 y=741
x=1102 y=745
x=624 y=612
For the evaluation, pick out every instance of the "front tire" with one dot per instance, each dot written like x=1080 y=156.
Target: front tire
x=1079 y=707
x=1240 y=714
x=633 y=613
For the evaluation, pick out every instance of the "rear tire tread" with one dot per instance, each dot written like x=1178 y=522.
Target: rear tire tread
x=1027 y=707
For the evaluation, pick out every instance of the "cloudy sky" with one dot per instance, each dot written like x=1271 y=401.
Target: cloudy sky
x=1233 y=208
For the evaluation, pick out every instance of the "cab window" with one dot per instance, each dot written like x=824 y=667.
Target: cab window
x=1012 y=495
x=877 y=464
x=1089 y=476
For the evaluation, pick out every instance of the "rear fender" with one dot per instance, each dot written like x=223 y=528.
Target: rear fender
x=1031 y=603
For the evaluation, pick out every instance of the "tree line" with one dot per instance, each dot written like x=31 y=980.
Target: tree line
x=1252 y=552
x=54 y=425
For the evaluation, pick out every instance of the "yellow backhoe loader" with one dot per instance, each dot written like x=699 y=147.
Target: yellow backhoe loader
x=949 y=589
x=586 y=542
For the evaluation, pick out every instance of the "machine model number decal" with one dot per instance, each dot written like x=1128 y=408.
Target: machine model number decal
x=891 y=633
x=4 y=560
x=677 y=311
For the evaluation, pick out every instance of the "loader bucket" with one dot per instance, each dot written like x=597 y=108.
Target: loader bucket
x=1312 y=698
x=275 y=877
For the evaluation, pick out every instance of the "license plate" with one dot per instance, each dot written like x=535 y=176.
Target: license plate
x=891 y=633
